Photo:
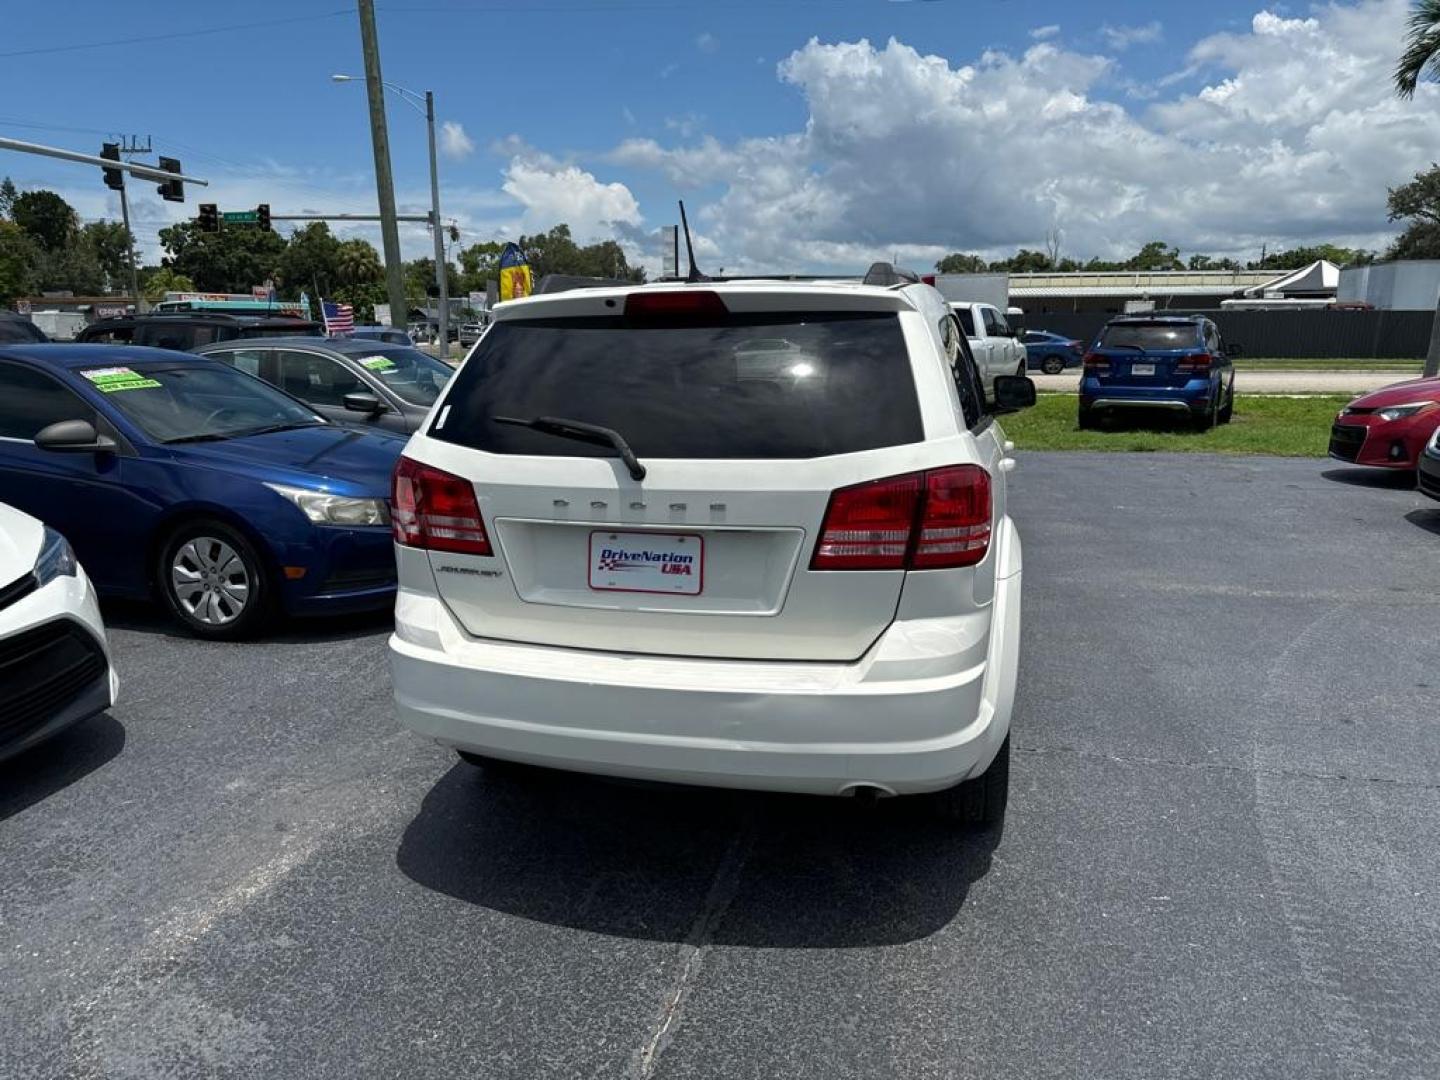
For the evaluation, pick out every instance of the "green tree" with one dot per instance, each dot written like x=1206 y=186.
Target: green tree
x=231 y=260
x=1418 y=204
x=420 y=278
x=1156 y=255
x=556 y=252
x=358 y=263
x=156 y=281
x=1206 y=262
x=18 y=255
x=311 y=259
x=1420 y=59
x=959 y=263
x=108 y=243
x=480 y=263
x=48 y=218
x=1025 y=261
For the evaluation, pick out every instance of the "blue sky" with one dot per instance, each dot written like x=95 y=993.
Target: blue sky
x=588 y=108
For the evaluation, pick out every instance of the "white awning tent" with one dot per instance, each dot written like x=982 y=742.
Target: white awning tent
x=1320 y=279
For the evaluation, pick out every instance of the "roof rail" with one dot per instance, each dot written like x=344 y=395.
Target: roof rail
x=885 y=274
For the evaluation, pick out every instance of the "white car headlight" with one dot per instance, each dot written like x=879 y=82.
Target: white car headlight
x=1396 y=412
x=323 y=508
x=55 y=559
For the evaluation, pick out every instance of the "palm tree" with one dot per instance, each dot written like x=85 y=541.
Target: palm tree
x=358 y=263
x=1421 y=58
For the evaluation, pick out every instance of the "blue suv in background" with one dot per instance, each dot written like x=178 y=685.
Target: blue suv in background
x=175 y=476
x=1176 y=364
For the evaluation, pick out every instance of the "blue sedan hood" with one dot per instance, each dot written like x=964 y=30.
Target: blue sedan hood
x=348 y=461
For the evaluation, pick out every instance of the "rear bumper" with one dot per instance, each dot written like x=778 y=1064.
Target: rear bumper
x=1194 y=396
x=927 y=707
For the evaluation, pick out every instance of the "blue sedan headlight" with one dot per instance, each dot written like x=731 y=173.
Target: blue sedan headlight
x=56 y=559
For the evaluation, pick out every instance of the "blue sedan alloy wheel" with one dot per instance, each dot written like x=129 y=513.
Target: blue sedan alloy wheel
x=213 y=581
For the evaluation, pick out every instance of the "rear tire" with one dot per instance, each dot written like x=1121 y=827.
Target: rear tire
x=1206 y=420
x=1052 y=365
x=1087 y=420
x=1229 y=410
x=978 y=803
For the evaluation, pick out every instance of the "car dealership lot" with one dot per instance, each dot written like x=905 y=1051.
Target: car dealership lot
x=1219 y=858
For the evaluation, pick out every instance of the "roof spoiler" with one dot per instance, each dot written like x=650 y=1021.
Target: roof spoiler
x=887 y=275
x=554 y=283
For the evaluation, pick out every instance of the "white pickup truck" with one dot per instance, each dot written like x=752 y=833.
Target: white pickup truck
x=997 y=347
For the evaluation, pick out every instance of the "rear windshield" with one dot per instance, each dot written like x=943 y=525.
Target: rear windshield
x=784 y=386
x=1156 y=335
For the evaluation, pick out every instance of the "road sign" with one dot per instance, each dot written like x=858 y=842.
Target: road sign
x=240 y=217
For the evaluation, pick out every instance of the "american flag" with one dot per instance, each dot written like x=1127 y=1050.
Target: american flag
x=339 y=318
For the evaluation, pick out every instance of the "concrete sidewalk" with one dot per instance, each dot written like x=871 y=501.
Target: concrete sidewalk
x=1264 y=382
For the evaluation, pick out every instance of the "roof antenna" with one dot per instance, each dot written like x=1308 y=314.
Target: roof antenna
x=693 y=274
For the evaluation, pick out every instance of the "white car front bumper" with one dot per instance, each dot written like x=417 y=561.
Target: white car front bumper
x=926 y=707
x=68 y=600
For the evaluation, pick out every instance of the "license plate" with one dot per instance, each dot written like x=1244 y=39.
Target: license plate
x=647 y=562
x=1142 y=369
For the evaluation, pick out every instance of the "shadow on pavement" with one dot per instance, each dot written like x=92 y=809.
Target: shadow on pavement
x=1429 y=520
x=1390 y=479
x=150 y=618
x=640 y=861
x=41 y=771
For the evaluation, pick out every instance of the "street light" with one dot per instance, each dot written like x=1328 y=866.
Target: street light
x=414 y=100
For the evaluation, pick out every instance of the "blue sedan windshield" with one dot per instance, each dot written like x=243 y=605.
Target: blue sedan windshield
x=194 y=403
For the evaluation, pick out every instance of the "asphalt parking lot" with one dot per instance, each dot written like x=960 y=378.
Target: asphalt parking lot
x=1219 y=861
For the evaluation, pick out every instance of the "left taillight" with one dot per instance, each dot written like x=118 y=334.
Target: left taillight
x=933 y=520
x=436 y=510
x=1196 y=363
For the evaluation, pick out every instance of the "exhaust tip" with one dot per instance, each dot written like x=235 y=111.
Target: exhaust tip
x=867 y=792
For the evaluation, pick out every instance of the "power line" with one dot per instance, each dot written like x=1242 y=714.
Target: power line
x=51 y=49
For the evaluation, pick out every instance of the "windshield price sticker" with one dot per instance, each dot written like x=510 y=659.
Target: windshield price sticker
x=647 y=562
x=377 y=363
x=110 y=379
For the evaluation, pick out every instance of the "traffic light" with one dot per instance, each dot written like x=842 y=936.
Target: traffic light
x=171 y=190
x=209 y=217
x=262 y=216
x=114 y=178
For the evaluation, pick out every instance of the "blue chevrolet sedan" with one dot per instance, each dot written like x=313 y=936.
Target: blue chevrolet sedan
x=176 y=477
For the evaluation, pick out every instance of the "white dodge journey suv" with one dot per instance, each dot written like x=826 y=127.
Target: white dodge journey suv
x=743 y=534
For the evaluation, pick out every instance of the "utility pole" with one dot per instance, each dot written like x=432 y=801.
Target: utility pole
x=442 y=276
x=384 y=182
x=127 y=148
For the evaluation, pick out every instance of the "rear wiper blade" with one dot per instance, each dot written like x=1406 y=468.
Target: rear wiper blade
x=1125 y=345
x=580 y=431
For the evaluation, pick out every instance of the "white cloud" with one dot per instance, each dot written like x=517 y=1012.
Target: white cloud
x=1045 y=33
x=454 y=142
x=1292 y=137
x=1122 y=37
x=707 y=42
x=550 y=193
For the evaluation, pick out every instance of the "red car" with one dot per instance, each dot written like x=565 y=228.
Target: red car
x=1388 y=427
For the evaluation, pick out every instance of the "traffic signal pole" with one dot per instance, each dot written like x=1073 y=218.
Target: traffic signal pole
x=130 y=247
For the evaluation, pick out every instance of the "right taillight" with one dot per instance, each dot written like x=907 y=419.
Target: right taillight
x=1096 y=365
x=930 y=520
x=434 y=509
